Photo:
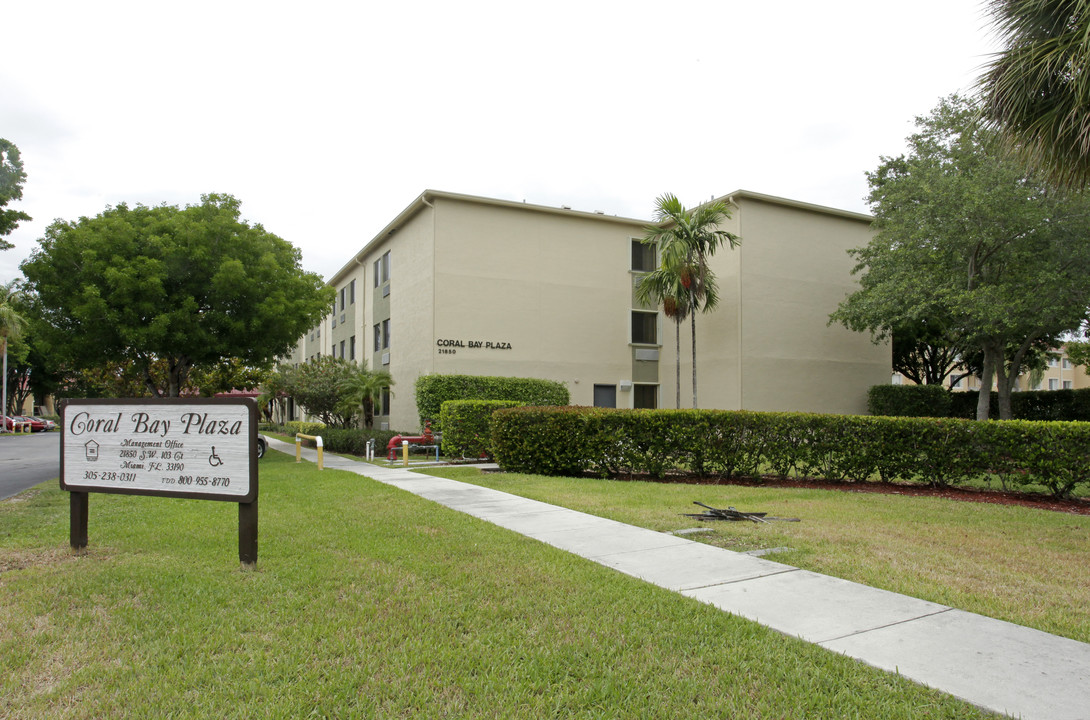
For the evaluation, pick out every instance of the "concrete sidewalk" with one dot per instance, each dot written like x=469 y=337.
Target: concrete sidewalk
x=993 y=664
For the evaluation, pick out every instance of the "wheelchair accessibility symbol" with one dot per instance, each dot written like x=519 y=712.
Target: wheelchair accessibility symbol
x=214 y=459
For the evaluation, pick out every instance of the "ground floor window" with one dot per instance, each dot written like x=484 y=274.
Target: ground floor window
x=605 y=396
x=645 y=397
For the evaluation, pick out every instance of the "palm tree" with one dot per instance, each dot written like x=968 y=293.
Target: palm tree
x=686 y=240
x=663 y=285
x=11 y=325
x=1037 y=91
x=363 y=388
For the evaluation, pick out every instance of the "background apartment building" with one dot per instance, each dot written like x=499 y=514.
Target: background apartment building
x=471 y=285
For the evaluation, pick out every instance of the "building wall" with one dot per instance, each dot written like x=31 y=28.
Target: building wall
x=550 y=292
x=486 y=287
x=794 y=271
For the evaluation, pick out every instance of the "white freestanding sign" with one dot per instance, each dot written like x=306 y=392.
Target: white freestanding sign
x=191 y=448
x=202 y=448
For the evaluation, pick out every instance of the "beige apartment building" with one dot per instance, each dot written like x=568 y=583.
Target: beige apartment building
x=471 y=285
x=1060 y=374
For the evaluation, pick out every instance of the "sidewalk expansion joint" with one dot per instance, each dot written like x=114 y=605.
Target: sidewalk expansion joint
x=741 y=580
x=887 y=625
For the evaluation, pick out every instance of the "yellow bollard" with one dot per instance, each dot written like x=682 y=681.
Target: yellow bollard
x=405 y=451
x=299 y=448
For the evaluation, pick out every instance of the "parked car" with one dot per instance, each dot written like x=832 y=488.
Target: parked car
x=262 y=445
x=36 y=425
x=11 y=422
x=49 y=424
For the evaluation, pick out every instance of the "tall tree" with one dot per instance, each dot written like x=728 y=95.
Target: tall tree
x=12 y=177
x=965 y=235
x=363 y=388
x=188 y=287
x=1037 y=90
x=11 y=326
x=686 y=240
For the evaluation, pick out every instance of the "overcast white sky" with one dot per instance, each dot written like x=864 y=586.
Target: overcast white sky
x=327 y=118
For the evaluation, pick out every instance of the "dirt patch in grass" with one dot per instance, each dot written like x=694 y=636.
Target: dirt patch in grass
x=23 y=559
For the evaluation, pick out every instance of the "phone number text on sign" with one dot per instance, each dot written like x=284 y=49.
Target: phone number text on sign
x=183 y=447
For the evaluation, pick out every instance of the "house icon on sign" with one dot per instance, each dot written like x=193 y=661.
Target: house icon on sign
x=90 y=450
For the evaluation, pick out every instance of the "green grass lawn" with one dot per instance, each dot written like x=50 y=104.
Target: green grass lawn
x=371 y=602
x=1026 y=566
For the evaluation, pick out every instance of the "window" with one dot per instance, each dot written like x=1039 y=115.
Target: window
x=344 y=296
x=1053 y=361
x=605 y=396
x=645 y=327
x=378 y=264
x=1067 y=363
x=1069 y=384
x=386 y=266
x=378 y=337
x=1053 y=384
x=352 y=293
x=645 y=397
x=342 y=349
x=352 y=348
x=386 y=333
x=384 y=405
x=643 y=256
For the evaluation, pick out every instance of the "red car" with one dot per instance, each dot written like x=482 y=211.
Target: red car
x=36 y=425
x=10 y=423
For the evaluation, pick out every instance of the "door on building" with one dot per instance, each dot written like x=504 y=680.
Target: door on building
x=605 y=396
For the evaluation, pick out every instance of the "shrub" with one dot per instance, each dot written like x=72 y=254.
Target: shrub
x=466 y=424
x=434 y=390
x=298 y=427
x=909 y=401
x=354 y=442
x=937 y=451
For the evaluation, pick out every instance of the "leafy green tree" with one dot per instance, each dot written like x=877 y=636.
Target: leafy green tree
x=32 y=370
x=1078 y=352
x=190 y=287
x=1037 y=90
x=11 y=327
x=362 y=389
x=316 y=387
x=686 y=239
x=227 y=375
x=965 y=235
x=12 y=177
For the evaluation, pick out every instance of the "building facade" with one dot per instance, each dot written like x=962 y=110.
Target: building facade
x=457 y=284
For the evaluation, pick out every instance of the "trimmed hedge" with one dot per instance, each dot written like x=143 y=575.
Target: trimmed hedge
x=298 y=427
x=434 y=390
x=466 y=424
x=936 y=451
x=1059 y=405
x=909 y=401
x=354 y=442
